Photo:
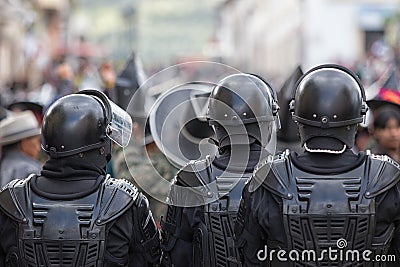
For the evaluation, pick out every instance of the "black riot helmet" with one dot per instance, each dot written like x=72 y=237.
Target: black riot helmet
x=84 y=121
x=241 y=109
x=329 y=102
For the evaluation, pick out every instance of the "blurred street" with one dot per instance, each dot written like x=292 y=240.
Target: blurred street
x=52 y=48
x=94 y=38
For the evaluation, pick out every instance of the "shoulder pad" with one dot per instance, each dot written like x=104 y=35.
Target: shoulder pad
x=13 y=199
x=275 y=175
x=195 y=173
x=117 y=196
x=384 y=173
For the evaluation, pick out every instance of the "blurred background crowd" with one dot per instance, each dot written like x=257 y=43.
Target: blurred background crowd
x=51 y=48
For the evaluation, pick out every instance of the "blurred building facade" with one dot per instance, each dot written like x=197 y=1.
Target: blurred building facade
x=264 y=36
x=31 y=34
x=274 y=36
x=14 y=18
x=160 y=32
x=252 y=34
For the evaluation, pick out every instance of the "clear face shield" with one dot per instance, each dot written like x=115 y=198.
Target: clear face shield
x=119 y=128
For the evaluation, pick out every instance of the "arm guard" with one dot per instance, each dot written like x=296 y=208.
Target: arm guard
x=177 y=237
x=147 y=238
x=248 y=236
x=180 y=228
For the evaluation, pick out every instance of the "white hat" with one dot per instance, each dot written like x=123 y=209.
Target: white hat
x=18 y=126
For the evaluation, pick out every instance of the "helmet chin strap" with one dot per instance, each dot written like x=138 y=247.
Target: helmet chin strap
x=329 y=151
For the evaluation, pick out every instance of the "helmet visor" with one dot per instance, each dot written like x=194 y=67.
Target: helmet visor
x=120 y=128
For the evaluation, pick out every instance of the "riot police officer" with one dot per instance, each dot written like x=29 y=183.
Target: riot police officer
x=73 y=214
x=204 y=199
x=328 y=202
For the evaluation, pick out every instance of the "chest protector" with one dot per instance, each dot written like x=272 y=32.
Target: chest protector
x=67 y=232
x=213 y=243
x=337 y=212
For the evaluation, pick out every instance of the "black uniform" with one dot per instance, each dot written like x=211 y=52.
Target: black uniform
x=203 y=235
x=73 y=214
x=204 y=199
x=299 y=206
x=326 y=206
x=96 y=221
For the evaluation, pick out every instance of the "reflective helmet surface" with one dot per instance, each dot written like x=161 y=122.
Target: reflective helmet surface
x=329 y=101
x=242 y=100
x=288 y=132
x=75 y=123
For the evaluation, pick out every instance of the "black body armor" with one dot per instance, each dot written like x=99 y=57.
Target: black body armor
x=67 y=233
x=212 y=239
x=319 y=211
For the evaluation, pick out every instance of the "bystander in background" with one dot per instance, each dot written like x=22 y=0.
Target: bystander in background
x=20 y=146
x=386 y=133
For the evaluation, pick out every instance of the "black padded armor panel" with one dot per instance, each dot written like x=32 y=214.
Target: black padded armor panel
x=213 y=243
x=65 y=233
x=318 y=210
